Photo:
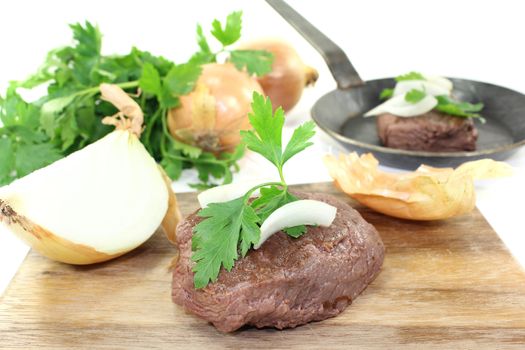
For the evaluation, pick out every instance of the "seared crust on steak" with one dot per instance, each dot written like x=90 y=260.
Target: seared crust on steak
x=287 y=282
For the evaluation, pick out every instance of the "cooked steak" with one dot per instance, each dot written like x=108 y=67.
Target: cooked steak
x=287 y=282
x=432 y=131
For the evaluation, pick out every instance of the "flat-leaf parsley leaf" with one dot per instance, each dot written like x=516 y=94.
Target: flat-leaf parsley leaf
x=410 y=76
x=232 y=227
x=458 y=109
x=414 y=96
x=69 y=117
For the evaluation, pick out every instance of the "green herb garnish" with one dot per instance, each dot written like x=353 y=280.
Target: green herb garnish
x=231 y=31
x=386 y=94
x=232 y=227
x=458 y=109
x=414 y=96
x=445 y=103
x=258 y=62
x=68 y=118
x=410 y=76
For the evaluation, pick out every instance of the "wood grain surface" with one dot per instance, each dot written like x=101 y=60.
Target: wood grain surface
x=447 y=285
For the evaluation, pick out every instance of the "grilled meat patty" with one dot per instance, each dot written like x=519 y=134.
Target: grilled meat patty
x=287 y=282
x=432 y=131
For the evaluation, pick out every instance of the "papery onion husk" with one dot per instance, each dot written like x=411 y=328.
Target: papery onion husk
x=425 y=194
x=173 y=215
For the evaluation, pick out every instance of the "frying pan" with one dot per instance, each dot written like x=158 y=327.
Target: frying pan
x=340 y=112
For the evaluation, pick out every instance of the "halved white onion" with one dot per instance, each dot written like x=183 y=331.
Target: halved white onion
x=225 y=193
x=301 y=212
x=430 y=88
x=398 y=106
x=97 y=203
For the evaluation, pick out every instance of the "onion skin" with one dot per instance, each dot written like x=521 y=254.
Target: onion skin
x=425 y=194
x=127 y=107
x=232 y=91
x=173 y=215
x=289 y=76
x=48 y=244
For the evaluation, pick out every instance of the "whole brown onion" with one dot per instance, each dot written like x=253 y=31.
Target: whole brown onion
x=211 y=116
x=285 y=83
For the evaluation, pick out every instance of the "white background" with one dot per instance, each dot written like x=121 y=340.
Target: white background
x=481 y=40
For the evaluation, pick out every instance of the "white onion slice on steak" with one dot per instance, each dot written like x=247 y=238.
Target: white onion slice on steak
x=430 y=87
x=301 y=212
x=398 y=106
x=225 y=193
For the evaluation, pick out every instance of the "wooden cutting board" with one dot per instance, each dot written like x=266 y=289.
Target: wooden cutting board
x=449 y=284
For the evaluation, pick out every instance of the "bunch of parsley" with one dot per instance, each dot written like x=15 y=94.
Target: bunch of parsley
x=68 y=118
x=230 y=228
x=445 y=103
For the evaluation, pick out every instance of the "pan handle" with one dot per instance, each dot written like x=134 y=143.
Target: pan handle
x=342 y=69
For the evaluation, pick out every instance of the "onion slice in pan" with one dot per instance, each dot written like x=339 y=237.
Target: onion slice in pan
x=301 y=212
x=431 y=88
x=398 y=106
x=441 y=81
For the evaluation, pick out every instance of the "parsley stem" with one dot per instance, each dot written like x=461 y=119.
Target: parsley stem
x=253 y=189
x=95 y=89
x=197 y=160
x=149 y=126
x=128 y=84
x=283 y=183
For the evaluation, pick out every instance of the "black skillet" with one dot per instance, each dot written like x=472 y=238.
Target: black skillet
x=340 y=112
